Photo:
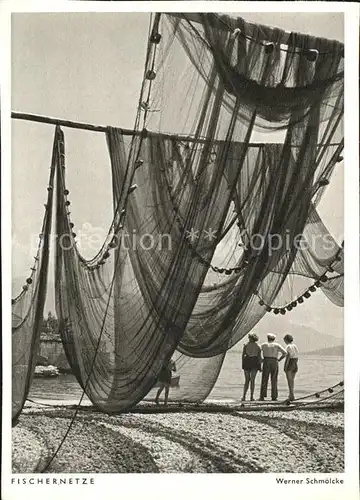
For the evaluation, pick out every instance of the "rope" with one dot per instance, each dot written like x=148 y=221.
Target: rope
x=264 y=44
x=181 y=403
x=195 y=18
x=311 y=289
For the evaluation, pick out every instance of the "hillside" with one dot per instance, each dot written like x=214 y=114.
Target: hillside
x=306 y=338
x=329 y=351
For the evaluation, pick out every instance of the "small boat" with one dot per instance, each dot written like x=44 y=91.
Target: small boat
x=46 y=372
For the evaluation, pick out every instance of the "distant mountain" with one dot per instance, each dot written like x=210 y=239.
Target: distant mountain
x=337 y=350
x=305 y=337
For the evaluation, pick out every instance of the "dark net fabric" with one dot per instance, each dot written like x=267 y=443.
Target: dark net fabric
x=247 y=69
x=206 y=224
x=138 y=284
x=131 y=309
x=28 y=307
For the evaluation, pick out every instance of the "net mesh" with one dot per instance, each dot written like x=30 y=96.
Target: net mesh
x=28 y=307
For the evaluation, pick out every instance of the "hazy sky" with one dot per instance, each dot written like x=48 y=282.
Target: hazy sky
x=88 y=67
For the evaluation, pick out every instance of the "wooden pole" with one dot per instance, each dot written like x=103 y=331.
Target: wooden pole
x=57 y=121
x=101 y=128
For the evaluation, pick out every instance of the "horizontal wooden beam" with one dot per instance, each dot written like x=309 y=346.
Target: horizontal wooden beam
x=56 y=121
x=101 y=128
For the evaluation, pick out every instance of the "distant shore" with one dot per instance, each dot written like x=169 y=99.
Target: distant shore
x=277 y=442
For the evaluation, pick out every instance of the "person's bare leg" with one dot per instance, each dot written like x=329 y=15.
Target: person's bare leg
x=246 y=384
x=158 y=394
x=167 y=388
x=287 y=374
x=252 y=383
x=291 y=386
x=290 y=381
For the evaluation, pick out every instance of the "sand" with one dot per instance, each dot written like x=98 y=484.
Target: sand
x=278 y=442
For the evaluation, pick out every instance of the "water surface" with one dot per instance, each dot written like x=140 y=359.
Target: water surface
x=315 y=373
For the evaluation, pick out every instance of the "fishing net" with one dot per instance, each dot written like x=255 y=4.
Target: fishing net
x=207 y=222
x=28 y=308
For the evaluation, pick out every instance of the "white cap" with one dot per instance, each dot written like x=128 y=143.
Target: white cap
x=271 y=336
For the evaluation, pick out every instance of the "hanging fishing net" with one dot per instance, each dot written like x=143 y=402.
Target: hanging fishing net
x=28 y=308
x=207 y=222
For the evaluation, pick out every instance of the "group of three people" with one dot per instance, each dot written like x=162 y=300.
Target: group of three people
x=265 y=358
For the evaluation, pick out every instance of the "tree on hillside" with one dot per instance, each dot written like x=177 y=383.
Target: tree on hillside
x=51 y=324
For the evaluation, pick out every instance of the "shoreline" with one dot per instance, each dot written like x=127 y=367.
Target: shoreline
x=197 y=442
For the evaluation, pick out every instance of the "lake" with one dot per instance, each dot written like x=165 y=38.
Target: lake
x=315 y=373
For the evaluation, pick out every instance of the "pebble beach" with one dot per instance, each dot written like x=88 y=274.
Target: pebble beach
x=197 y=442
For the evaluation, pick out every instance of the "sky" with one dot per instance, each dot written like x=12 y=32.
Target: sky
x=88 y=67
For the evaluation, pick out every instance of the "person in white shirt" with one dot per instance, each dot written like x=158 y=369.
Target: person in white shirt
x=291 y=364
x=271 y=351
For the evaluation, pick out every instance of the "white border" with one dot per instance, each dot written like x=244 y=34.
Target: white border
x=351 y=232
x=184 y=6
x=193 y=486
x=5 y=86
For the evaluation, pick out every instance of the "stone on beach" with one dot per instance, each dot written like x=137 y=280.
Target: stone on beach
x=297 y=441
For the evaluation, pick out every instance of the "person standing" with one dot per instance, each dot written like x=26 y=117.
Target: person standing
x=271 y=351
x=164 y=381
x=291 y=364
x=251 y=364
